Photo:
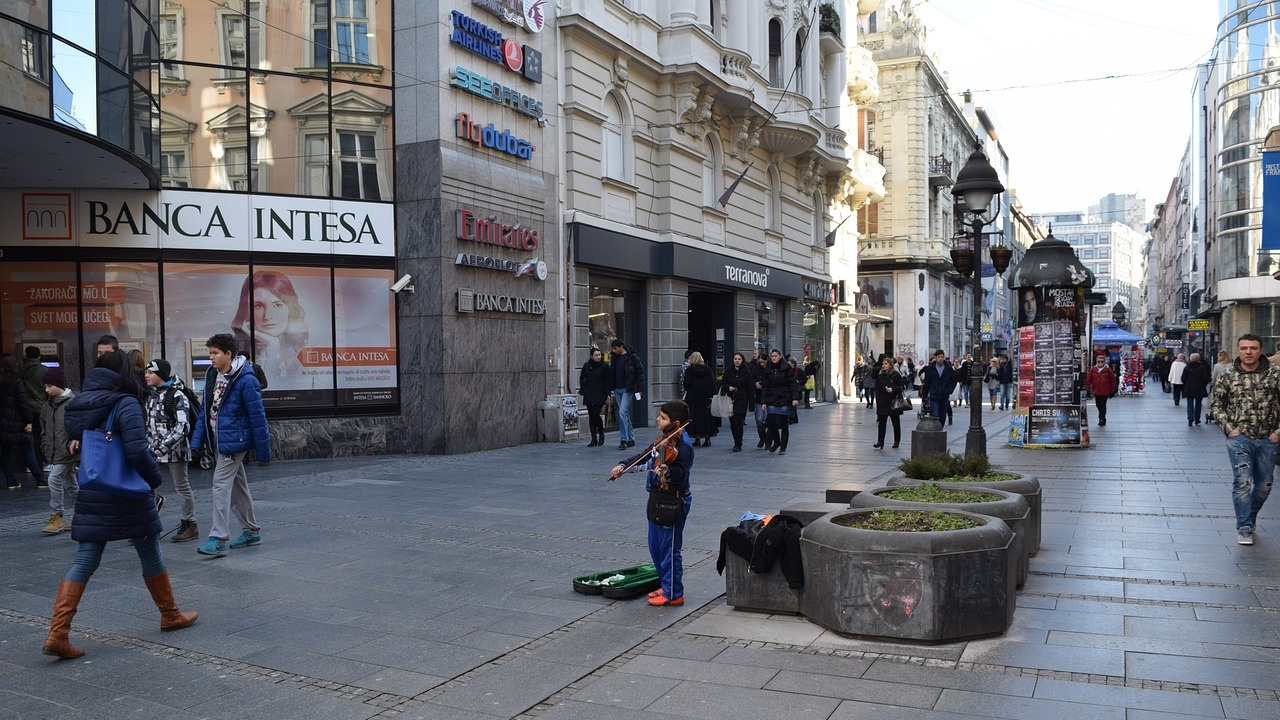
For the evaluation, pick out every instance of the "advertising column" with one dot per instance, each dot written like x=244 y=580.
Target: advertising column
x=1050 y=357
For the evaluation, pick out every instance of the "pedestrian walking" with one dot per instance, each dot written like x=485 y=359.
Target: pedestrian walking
x=63 y=487
x=939 y=381
x=992 y=380
x=1196 y=377
x=1246 y=405
x=594 y=383
x=964 y=377
x=17 y=422
x=232 y=421
x=666 y=543
x=110 y=400
x=32 y=371
x=699 y=387
x=888 y=385
x=758 y=370
x=1176 y=368
x=797 y=374
x=737 y=384
x=781 y=395
x=169 y=430
x=867 y=381
x=1004 y=373
x=1102 y=382
x=628 y=384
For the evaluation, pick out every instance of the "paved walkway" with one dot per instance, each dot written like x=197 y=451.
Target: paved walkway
x=439 y=587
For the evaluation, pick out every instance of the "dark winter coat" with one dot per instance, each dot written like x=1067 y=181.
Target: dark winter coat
x=758 y=372
x=699 y=387
x=764 y=542
x=53 y=428
x=743 y=382
x=15 y=411
x=1196 y=378
x=242 y=421
x=101 y=517
x=595 y=382
x=780 y=386
x=938 y=386
x=33 y=376
x=887 y=386
x=1004 y=371
x=632 y=371
x=164 y=432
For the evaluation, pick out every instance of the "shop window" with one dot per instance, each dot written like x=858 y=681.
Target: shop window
x=39 y=302
x=121 y=299
x=365 y=344
x=769 y=330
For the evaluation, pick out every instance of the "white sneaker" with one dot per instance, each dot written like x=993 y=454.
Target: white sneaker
x=1244 y=536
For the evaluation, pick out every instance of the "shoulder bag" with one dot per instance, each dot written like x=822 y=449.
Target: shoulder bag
x=721 y=405
x=105 y=467
x=665 y=506
x=901 y=403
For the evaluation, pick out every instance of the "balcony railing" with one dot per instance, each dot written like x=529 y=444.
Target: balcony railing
x=940 y=171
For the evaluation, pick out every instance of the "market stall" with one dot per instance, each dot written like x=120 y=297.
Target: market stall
x=1124 y=354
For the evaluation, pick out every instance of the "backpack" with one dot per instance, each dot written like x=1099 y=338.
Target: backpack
x=193 y=408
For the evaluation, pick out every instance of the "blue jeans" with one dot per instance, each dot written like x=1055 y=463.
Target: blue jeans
x=89 y=554
x=1252 y=465
x=939 y=408
x=665 y=544
x=622 y=401
x=1193 y=409
x=964 y=391
x=1004 y=393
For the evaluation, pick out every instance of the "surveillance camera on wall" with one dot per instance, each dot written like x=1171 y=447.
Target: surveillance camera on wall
x=403 y=283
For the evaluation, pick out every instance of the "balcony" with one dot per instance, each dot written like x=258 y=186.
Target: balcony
x=863 y=74
x=867 y=175
x=883 y=251
x=866 y=7
x=940 y=172
x=791 y=133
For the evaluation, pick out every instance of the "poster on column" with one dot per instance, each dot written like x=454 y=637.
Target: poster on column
x=1053 y=425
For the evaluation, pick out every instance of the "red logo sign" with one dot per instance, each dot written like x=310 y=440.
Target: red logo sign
x=512 y=55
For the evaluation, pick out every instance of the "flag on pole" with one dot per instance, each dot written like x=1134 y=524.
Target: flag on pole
x=728 y=193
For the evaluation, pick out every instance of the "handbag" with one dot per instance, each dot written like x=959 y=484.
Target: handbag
x=665 y=506
x=809 y=384
x=105 y=467
x=721 y=405
x=901 y=403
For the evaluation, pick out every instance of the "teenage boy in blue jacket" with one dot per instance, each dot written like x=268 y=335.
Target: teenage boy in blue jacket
x=232 y=420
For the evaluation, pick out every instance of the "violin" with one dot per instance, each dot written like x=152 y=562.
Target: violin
x=666 y=448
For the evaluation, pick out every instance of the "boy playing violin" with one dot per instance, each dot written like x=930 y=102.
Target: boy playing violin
x=670 y=461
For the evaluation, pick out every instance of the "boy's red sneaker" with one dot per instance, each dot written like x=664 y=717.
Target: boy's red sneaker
x=661 y=600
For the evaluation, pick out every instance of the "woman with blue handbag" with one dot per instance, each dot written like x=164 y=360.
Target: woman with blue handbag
x=107 y=508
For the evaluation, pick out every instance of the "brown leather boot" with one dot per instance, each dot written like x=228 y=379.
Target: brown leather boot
x=171 y=618
x=64 y=608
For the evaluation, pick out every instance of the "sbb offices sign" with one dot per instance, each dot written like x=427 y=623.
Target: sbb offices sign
x=194 y=220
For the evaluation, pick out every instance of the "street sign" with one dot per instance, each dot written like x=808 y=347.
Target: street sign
x=1198 y=325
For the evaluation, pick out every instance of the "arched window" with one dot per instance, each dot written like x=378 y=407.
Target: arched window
x=773 y=202
x=775 y=53
x=611 y=155
x=819 y=219
x=712 y=174
x=801 y=36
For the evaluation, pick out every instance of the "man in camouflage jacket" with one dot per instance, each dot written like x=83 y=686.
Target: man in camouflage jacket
x=1246 y=405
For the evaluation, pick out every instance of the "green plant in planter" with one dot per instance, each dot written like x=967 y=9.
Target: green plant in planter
x=828 y=19
x=933 y=493
x=907 y=521
x=945 y=467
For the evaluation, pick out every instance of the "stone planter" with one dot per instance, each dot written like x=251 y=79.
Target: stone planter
x=928 y=586
x=1025 y=485
x=1012 y=508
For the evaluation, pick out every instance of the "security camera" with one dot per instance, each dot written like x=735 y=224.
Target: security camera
x=403 y=283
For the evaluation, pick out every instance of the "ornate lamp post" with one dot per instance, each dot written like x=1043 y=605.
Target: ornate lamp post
x=976 y=184
x=1119 y=314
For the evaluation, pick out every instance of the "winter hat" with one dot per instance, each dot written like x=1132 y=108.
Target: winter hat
x=161 y=368
x=55 y=377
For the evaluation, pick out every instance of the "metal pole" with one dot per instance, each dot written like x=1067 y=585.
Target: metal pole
x=975 y=441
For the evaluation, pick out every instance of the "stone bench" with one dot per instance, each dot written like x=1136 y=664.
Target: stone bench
x=843 y=492
x=769 y=593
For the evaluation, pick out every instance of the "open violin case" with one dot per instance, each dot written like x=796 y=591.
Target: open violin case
x=619 y=584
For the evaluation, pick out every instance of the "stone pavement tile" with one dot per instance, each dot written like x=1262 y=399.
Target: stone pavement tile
x=590 y=644
x=1183 y=566
x=1269 y=621
x=940 y=677
x=317 y=637
x=1038 y=601
x=1155 y=715
x=1047 y=584
x=487 y=640
x=263 y=700
x=1130 y=698
x=1233 y=633
x=1113 y=549
x=1250 y=708
x=432 y=711
x=399 y=682
x=510 y=622
x=1068 y=620
x=850 y=710
x=1019 y=708
x=1242 y=652
x=310 y=664
x=706 y=701
x=130 y=672
x=1205 y=671
x=1208 y=595
x=155 y=707
x=847 y=688
x=1045 y=657
x=626 y=691
x=424 y=656
x=708 y=672
x=574 y=710
x=688 y=648
x=1125 y=573
x=512 y=687
x=759 y=627
x=794 y=661
x=1056 y=559
x=1129 y=642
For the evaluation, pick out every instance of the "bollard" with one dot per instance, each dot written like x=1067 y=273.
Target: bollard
x=928 y=438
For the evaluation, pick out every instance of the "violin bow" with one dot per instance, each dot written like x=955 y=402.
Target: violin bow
x=643 y=455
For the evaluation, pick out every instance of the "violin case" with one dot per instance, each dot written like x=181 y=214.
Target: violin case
x=633 y=581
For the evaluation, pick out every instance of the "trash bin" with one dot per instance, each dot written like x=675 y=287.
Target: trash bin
x=558 y=418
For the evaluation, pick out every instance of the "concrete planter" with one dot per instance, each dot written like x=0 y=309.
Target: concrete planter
x=1012 y=508
x=1025 y=485
x=928 y=586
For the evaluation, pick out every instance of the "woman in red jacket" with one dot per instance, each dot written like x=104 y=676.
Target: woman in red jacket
x=1102 y=382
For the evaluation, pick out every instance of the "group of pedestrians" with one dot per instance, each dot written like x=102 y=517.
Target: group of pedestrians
x=152 y=418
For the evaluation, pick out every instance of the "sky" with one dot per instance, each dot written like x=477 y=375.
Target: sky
x=1036 y=67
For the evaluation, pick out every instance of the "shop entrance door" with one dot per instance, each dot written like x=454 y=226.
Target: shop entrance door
x=711 y=327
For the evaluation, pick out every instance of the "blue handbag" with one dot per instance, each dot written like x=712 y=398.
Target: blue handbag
x=105 y=467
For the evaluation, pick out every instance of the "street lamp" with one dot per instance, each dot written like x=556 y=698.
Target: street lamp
x=976 y=184
x=1119 y=313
